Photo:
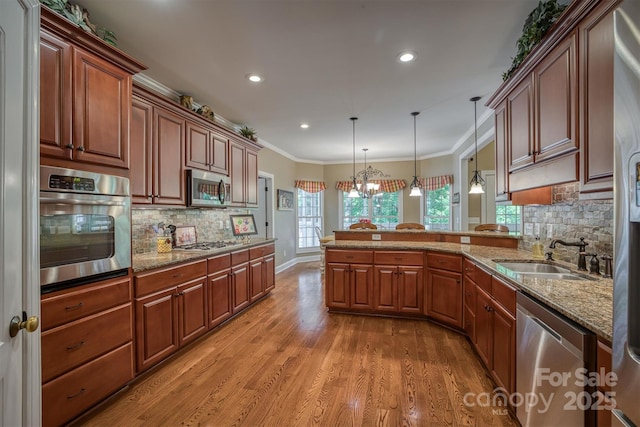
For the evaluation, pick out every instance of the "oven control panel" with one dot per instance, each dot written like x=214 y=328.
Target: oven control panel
x=60 y=182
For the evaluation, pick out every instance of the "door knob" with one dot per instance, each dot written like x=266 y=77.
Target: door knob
x=30 y=324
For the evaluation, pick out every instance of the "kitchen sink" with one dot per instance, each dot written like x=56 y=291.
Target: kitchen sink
x=540 y=270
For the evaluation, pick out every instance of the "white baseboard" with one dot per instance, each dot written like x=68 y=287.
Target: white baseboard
x=296 y=260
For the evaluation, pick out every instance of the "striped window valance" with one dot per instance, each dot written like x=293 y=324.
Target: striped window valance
x=386 y=185
x=310 y=186
x=436 y=182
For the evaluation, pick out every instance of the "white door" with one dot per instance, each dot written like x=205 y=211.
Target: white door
x=19 y=261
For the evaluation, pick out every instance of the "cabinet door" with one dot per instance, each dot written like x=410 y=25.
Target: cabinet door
x=410 y=289
x=385 y=288
x=444 y=296
x=237 y=164
x=168 y=135
x=361 y=286
x=269 y=272
x=240 y=285
x=55 y=97
x=337 y=285
x=192 y=309
x=596 y=100
x=141 y=174
x=502 y=167
x=219 y=295
x=101 y=111
x=556 y=102
x=197 y=147
x=251 y=176
x=156 y=328
x=520 y=126
x=256 y=279
x=218 y=161
x=483 y=327
x=504 y=348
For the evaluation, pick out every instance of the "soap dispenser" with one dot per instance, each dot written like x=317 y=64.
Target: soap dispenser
x=537 y=248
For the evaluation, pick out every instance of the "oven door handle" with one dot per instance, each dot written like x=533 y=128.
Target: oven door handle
x=77 y=199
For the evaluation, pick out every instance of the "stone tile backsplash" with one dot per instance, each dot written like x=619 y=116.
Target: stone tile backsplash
x=571 y=219
x=207 y=222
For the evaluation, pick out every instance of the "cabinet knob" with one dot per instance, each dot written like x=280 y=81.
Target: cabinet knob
x=80 y=148
x=150 y=196
x=82 y=390
x=70 y=146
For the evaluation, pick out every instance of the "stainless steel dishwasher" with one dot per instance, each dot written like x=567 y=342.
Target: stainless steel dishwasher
x=554 y=357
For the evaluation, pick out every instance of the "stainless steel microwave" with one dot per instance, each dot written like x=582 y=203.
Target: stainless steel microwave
x=207 y=190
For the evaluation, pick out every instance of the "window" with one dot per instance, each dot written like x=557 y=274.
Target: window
x=438 y=209
x=509 y=215
x=383 y=209
x=309 y=215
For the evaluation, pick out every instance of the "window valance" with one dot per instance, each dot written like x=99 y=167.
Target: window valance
x=386 y=185
x=310 y=186
x=436 y=182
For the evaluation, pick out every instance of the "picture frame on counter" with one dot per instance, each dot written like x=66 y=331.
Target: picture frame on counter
x=285 y=200
x=243 y=225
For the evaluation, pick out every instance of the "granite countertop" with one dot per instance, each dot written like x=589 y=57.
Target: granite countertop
x=587 y=302
x=151 y=260
x=453 y=233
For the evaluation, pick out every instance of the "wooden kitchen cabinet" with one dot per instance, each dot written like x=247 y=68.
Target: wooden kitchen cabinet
x=261 y=271
x=349 y=279
x=243 y=170
x=219 y=290
x=240 y=280
x=85 y=103
x=520 y=125
x=142 y=152
x=596 y=43
x=251 y=178
x=470 y=296
x=502 y=154
x=444 y=288
x=398 y=278
x=206 y=150
x=85 y=328
x=171 y=310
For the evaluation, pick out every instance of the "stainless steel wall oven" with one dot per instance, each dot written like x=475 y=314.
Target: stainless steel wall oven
x=85 y=227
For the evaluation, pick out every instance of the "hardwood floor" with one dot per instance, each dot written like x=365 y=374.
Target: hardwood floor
x=287 y=362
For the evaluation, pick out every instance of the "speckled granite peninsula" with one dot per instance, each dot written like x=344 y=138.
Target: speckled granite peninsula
x=588 y=302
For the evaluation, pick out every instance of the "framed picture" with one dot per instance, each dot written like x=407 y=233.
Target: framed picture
x=243 y=225
x=456 y=198
x=285 y=200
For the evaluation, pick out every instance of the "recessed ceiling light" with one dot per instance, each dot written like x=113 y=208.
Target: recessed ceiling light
x=406 y=56
x=304 y=126
x=254 y=78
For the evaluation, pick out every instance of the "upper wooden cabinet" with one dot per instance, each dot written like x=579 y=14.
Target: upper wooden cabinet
x=520 y=125
x=243 y=171
x=502 y=154
x=85 y=98
x=206 y=150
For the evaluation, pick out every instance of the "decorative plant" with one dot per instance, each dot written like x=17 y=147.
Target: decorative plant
x=535 y=27
x=80 y=17
x=247 y=132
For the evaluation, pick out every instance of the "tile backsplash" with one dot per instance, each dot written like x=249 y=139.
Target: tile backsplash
x=211 y=224
x=571 y=219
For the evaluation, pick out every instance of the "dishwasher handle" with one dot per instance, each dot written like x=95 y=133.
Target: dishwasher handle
x=547 y=328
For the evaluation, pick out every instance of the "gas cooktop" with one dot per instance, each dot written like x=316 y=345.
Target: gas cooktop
x=205 y=246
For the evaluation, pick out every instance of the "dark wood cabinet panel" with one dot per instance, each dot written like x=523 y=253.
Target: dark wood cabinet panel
x=361 y=286
x=156 y=328
x=337 y=285
x=168 y=135
x=504 y=348
x=219 y=154
x=596 y=100
x=269 y=272
x=385 y=288
x=55 y=96
x=192 y=308
x=251 y=178
x=483 y=327
x=237 y=173
x=256 y=279
x=219 y=294
x=520 y=125
x=444 y=296
x=197 y=147
x=240 y=286
x=410 y=289
x=501 y=144
x=141 y=150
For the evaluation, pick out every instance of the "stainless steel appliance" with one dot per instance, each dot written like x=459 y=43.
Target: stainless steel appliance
x=626 y=270
x=549 y=345
x=207 y=190
x=85 y=227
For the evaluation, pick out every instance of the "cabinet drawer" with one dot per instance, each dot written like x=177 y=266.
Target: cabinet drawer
x=398 y=258
x=239 y=257
x=71 y=345
x=346 y=256
x=483 y=279
x=147 y=283
x=261 y=251
x=72 y=304
x=504 y=294
x=444 y=261
x=218 y=263
x=469 y=269
x=71 y=394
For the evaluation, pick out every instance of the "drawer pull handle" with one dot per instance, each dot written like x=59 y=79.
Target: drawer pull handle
x=74 y=307
x=75 y=347
x=177 y=275
x=349 y=256
x=398 y=258
x=82 y=390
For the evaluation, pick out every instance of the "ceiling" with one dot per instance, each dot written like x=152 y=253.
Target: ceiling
x=324 y=61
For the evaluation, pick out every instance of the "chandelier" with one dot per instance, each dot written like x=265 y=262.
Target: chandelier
x=415 y=184
x=367 y=188
x=477 y=182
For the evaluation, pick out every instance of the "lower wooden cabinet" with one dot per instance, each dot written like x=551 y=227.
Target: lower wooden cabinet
x=261 y=271
x=444 y=288
x=219 y=294
x=87 y=348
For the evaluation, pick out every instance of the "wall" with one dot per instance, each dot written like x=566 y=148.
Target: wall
x=571 y=219
x=486 y=161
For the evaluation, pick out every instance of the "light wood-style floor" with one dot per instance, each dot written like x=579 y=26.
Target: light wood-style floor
x=287 y=362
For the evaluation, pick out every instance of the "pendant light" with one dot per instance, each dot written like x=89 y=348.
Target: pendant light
x=368 y=189
x=416 y=188
x=354 y=186
x=477 y=182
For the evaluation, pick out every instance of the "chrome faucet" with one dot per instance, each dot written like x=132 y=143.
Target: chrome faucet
x=582 y=261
